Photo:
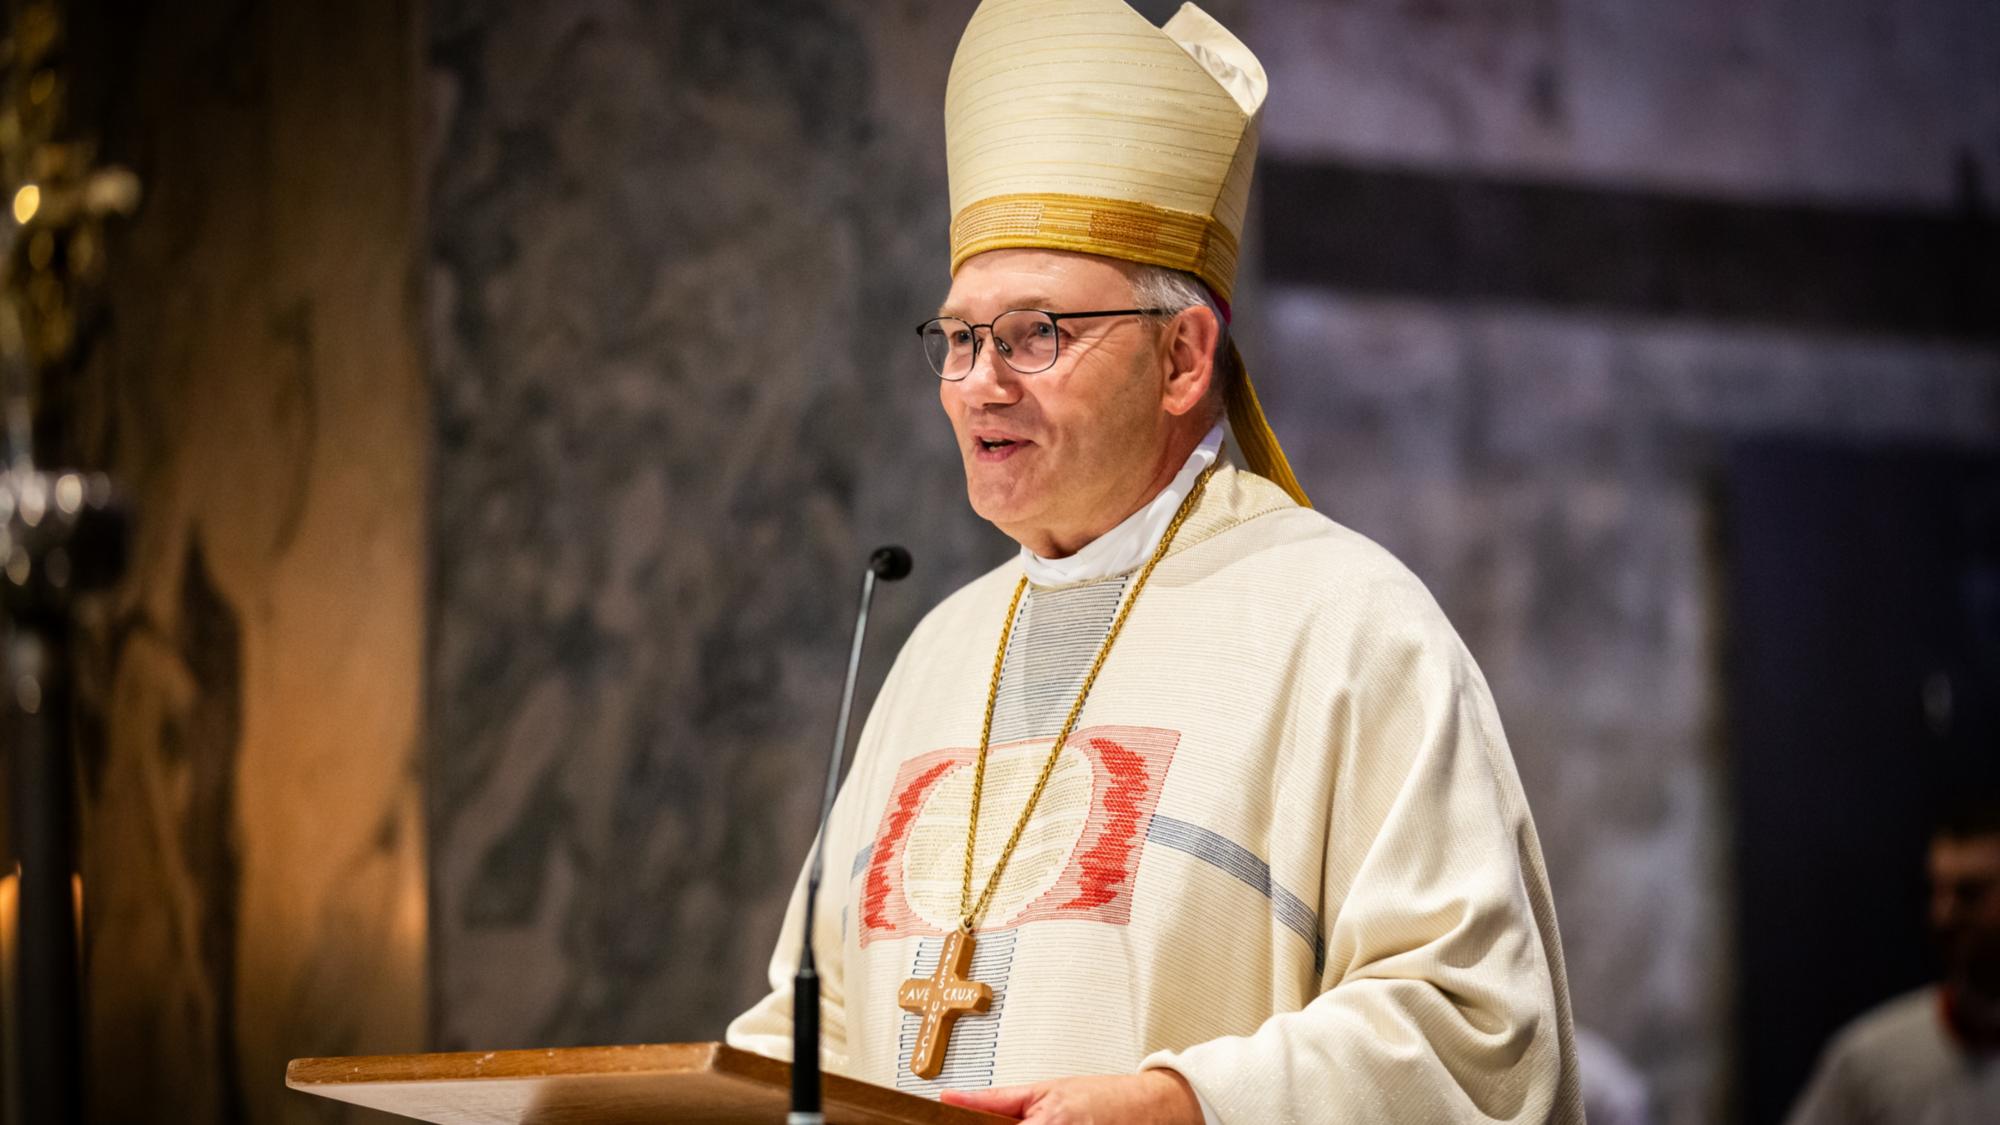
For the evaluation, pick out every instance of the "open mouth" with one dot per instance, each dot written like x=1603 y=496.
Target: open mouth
x=996 y=448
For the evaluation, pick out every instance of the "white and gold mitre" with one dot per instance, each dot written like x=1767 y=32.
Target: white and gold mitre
x=1078 y=125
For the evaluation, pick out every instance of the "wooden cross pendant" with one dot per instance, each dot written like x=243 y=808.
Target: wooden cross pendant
x=941 y=998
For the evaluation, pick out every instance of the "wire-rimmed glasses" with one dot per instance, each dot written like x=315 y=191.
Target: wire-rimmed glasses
x=1027 y=340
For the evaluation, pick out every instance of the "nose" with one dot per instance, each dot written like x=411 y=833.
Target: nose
x=991 y=380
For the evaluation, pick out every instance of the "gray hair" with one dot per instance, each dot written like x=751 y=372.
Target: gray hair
x=1157 y=287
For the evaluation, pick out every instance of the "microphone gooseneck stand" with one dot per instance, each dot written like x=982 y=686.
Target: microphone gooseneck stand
x=887 y=564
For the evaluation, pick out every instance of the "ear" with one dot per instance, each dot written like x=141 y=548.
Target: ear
x=1187 y=346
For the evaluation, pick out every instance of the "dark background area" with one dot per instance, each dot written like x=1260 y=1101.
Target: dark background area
x=1864 y=687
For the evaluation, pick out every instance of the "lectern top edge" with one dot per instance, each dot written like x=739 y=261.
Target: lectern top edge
x=623 y=1085
x=469 y=1066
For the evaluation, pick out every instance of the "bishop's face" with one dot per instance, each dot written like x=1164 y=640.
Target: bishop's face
x=1059 y=457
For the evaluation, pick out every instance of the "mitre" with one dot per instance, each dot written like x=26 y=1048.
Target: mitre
x=1078 y=125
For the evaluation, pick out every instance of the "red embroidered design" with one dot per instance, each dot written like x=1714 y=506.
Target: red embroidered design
x=1104 y=870
x=1128 y=767
x=896 y=821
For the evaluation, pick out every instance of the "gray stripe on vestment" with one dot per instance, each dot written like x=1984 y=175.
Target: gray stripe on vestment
x=1056 y=636
x=1220 y=851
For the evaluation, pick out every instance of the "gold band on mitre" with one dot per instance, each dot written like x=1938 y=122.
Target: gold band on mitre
x=1114 y=228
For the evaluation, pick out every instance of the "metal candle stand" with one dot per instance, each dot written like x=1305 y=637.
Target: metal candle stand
x=61 y=535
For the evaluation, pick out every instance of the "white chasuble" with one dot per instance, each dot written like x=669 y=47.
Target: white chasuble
x=1284 y=853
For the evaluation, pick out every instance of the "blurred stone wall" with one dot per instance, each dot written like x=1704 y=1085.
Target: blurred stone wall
x=253 y=846
x=676 y=252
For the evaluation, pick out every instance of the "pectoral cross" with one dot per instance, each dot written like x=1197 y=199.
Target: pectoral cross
x=941 y=998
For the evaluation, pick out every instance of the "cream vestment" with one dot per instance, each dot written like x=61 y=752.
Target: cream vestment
x=1285 y=853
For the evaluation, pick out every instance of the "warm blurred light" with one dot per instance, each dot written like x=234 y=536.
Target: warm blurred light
x=10 y=916
x=10 y=940
x=27 y=201
x=69 y=493
x=111 y=191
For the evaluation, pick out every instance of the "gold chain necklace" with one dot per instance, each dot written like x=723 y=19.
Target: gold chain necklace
x=949 y=992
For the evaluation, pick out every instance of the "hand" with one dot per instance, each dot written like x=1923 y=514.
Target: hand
x=1154 y=1097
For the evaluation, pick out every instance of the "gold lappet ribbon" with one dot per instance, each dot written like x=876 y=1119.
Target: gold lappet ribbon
x=1261 y=451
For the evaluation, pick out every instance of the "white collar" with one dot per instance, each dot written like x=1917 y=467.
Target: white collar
x=1130 y=543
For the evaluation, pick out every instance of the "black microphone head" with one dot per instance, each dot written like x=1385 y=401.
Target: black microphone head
x=890 y=563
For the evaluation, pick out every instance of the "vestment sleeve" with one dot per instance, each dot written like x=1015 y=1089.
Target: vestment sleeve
x=1442 y=998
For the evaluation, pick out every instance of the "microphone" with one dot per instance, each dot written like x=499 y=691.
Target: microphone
x=887 y=564
x=890 y=563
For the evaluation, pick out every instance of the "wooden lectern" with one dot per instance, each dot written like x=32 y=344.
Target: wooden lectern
x=709 y=1083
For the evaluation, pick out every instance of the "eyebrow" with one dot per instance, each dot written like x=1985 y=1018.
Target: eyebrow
x=1033 y=302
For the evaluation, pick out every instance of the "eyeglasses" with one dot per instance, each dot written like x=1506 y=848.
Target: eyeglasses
x=1025 y=339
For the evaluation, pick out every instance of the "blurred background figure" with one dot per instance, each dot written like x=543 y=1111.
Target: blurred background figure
x=1932 y=1055
x=1862 y=590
